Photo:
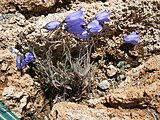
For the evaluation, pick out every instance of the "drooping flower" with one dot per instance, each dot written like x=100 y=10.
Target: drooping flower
x=29 y=57
x=74 y=23
x=79 y=31
x=132 y=38
x=103 y=16
x=94 y=26
x=74 y=16
x=76 y=29
x=22 y=61
x=74 y=19
x=52 y=25
x=78 y=21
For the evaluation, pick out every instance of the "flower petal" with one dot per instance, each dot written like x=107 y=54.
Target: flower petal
x=96 y=29
x=75 y=15
x=132 y=38
x=103 y=16
x=104 y=19
x=52 y=25
x=78 y=21
x=29 y=57
x=76 y=29
x=94 y=26
x=18 y=62
x=23 y=63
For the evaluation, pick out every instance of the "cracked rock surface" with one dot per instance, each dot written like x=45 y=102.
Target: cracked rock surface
x=130 y=91
x=26 y=6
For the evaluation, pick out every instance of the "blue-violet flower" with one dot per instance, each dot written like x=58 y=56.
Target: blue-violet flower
x=103 y=16
x=94 y=26
x=29 y=57
x=76 y=29
x=52 y=25
x=74 y=16
x=132 y=38
x=23 y=61
x=78 y=21
x=18 y=62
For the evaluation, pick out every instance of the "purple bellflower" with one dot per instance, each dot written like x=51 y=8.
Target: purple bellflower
x=94 y=26
x=78 y=21
x=74 y=23
x=29 y=57
x=103 y=16
x=132 y=38
x=74 y=16
x=23 y=61
x=78 y=31
x=52 y=25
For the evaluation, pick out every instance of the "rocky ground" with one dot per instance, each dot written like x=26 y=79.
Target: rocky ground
x=126 y=77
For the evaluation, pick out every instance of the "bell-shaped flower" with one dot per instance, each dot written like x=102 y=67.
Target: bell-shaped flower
x=74 y=16
x=94 y=26
x=52 y=25
x=79 y=31
x=23 y=61
x=103 y=16
x=76 y=29
x=132 y=38
x=29 y=57
x=78 y=21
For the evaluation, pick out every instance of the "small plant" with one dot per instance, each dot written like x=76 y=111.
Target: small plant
x=70 y=76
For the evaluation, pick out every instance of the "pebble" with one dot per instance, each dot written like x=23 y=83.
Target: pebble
x=23 y=102
x=104 y=85
x=2 y=78
x=111 y=70
x=1 y=17
x=8 y=92
x=121 y=77
x=4 y=67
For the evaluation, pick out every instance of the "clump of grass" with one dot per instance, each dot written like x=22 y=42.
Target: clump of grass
x=70 y=78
